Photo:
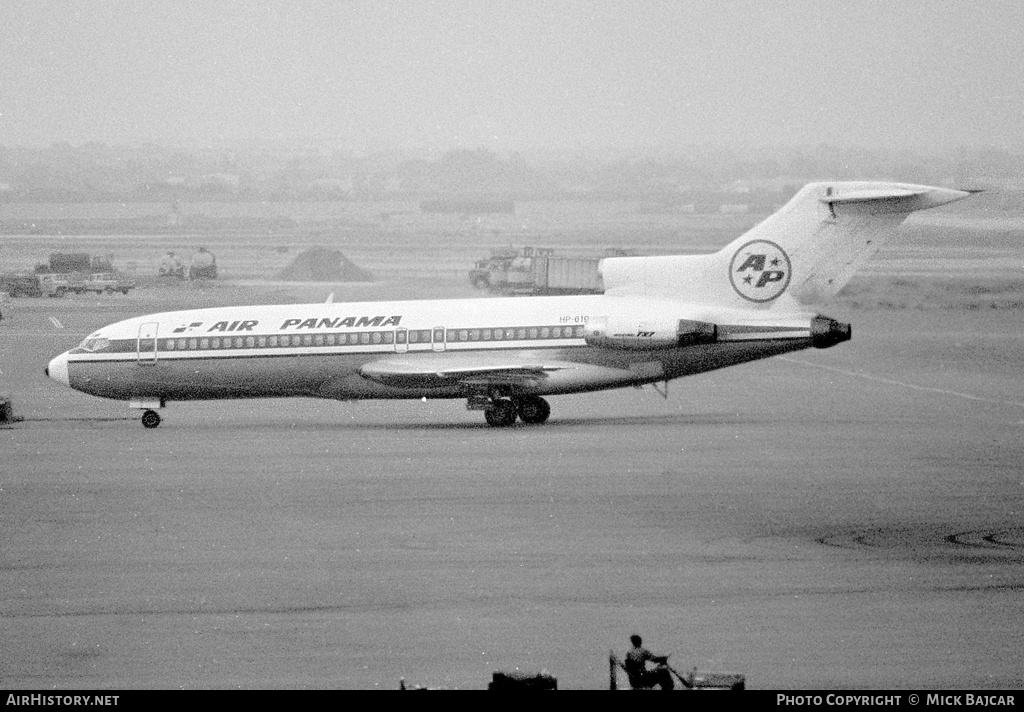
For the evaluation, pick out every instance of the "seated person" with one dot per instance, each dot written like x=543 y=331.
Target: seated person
x=640 y=676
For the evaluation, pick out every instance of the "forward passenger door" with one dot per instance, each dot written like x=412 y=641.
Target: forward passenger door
x=147 y=343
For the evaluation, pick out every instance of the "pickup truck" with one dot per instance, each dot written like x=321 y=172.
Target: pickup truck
x=107 y=282
x=61 y=284
x=78 y=282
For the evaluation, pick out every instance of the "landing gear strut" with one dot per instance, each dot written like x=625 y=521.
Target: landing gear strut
x=149 y=408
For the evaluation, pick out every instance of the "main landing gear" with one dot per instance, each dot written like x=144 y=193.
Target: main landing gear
x=150 y=419
x=502 y=412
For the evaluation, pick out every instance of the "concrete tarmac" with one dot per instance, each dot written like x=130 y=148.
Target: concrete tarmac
x=843 y=519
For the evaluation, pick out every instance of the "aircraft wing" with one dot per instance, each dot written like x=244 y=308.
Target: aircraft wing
x=446 y=369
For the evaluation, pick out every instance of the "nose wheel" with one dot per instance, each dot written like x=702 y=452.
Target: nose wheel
x=150 y=419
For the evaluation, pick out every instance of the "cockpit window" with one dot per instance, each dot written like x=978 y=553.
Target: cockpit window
x=94 y=345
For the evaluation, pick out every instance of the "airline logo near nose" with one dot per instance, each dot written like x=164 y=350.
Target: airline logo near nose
x=760 y=271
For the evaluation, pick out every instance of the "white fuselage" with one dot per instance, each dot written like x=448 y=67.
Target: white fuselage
x=330 y=350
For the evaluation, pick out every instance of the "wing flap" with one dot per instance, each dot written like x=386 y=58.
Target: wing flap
x=437 y=370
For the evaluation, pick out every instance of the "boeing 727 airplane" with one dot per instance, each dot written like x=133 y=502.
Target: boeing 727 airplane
x=659 y=318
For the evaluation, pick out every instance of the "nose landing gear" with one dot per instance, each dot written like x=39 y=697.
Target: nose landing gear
x=149 y=407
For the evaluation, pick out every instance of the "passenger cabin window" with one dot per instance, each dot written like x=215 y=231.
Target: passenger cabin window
x=400 y=336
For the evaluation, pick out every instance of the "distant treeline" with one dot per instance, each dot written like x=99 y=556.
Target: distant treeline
x=149 y=225
x=102 y=173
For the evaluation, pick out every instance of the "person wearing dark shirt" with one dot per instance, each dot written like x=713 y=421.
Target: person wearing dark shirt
x=636 y=666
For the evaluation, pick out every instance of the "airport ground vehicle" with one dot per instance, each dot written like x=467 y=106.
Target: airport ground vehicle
x=6 y=410
x=692 y=680
x=25 y=284
x=78 y=283
x=62 y=283
x=204 y=265
x=80 y=272
x=540 y=271
x=108 y=282
x=75 y=263
x=518 y=680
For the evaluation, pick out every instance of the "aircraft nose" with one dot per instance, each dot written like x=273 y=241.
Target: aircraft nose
x=57 y=369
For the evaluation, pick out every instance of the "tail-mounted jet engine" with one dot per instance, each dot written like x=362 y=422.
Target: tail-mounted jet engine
x=826 y=332
x=636 y=335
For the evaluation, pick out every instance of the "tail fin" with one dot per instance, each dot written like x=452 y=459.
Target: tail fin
x=802 y=255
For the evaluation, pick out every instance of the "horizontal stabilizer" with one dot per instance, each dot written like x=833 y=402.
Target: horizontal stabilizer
x=892 y=198
x=862 y=196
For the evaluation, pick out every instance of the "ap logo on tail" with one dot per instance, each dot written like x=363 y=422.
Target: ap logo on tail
x=760 y=271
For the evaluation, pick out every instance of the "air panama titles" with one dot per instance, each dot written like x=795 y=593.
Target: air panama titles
x=313 y=323
x=353 y=321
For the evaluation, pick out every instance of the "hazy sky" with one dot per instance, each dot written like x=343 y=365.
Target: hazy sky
x=515 y=75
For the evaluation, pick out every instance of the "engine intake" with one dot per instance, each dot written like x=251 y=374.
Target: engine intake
x=637 y=335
